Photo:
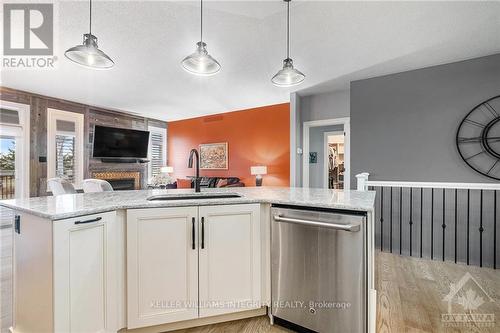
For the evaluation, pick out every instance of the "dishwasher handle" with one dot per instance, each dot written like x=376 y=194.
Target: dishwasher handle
x=343 y=227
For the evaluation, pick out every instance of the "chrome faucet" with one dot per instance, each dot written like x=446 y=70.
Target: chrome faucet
x=194 y=152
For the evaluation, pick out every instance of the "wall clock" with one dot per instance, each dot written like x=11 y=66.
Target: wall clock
x=478 y=138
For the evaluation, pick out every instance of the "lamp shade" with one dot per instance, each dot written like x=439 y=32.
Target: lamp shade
x=167 y=169
x=258 y=170
x=200 y=62
x=89 y=55
x=288 y=76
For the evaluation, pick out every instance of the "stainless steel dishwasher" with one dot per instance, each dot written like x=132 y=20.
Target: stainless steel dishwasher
x=319 y=266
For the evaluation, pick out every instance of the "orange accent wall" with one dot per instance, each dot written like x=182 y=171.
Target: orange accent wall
x=259 y=136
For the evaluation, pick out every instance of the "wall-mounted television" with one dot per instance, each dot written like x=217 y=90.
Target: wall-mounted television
x=111 y=142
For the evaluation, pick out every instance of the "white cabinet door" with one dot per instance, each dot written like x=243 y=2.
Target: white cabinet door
x=230 y=270
x=162 y=265
x=85 y=274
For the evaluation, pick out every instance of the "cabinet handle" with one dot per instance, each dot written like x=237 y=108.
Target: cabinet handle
x=203 y=232
x=17 y=224
x=193 y=246
x=89 y=221
x=345 y=227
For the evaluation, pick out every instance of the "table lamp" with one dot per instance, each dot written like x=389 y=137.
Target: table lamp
x=258 y=171
x=167 y=169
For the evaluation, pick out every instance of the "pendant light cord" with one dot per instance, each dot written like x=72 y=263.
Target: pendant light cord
x=288 y=29
x=90 y=21
x=201 y=21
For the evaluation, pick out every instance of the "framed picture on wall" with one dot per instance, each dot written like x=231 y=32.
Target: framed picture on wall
x=213 y=156
x=313 y=157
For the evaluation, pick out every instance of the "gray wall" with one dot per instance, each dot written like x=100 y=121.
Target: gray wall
x=317 y=107
x=317 y=144
x=403 y=126
x=325 y=106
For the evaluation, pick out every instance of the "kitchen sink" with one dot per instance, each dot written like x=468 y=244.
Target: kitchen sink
x=193 y=196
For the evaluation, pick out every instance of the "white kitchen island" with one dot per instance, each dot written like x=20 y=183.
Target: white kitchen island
x=111 y=261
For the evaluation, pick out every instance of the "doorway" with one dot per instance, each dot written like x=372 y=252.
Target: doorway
x=14 y=183
x=315 y=153
x=14 y=150
x=334 y=163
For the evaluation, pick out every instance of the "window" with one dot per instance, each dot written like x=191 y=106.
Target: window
x=65 y=150
x=65 y=145
x=14 y=149
x=157 y=150
x=9 y=117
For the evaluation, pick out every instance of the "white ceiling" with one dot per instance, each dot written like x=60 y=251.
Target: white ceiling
x=332 y=43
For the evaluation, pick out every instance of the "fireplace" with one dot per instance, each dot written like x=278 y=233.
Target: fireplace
x=120 y=180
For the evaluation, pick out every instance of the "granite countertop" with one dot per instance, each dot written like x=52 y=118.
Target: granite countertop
x=71 y=205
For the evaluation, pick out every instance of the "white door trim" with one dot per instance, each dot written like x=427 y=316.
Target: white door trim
x=294 y=111
x=325 y=158
x=347 y=144
x=52 y=116
x=22 y=146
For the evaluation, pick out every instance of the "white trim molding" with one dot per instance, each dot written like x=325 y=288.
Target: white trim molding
x=294 y=115
x=364 y=183
x=21 y=133
x=52 y=116
x=347 y=147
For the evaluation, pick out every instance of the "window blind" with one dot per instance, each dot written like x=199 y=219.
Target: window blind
x=9 y=116
x=65 y=157
x=65 y=126
x=157 y=152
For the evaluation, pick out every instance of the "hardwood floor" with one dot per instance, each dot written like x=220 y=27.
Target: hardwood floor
x=411 y=291
x=410 y=295
x=252 y=325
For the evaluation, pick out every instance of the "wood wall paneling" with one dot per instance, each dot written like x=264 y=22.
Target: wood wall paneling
x=92 y=116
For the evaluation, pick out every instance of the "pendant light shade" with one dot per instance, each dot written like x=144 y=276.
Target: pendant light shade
x=288 y=76
x=88 y=54
x=200 y=62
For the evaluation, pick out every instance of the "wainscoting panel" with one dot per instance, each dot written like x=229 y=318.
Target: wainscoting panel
x=457 y=225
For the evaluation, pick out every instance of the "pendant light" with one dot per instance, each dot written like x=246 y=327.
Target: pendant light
x=200 y=62
x=88 y=54
x=288 y=76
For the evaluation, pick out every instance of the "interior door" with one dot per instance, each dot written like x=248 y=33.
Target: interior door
x=230 y=278
x=162 y=265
